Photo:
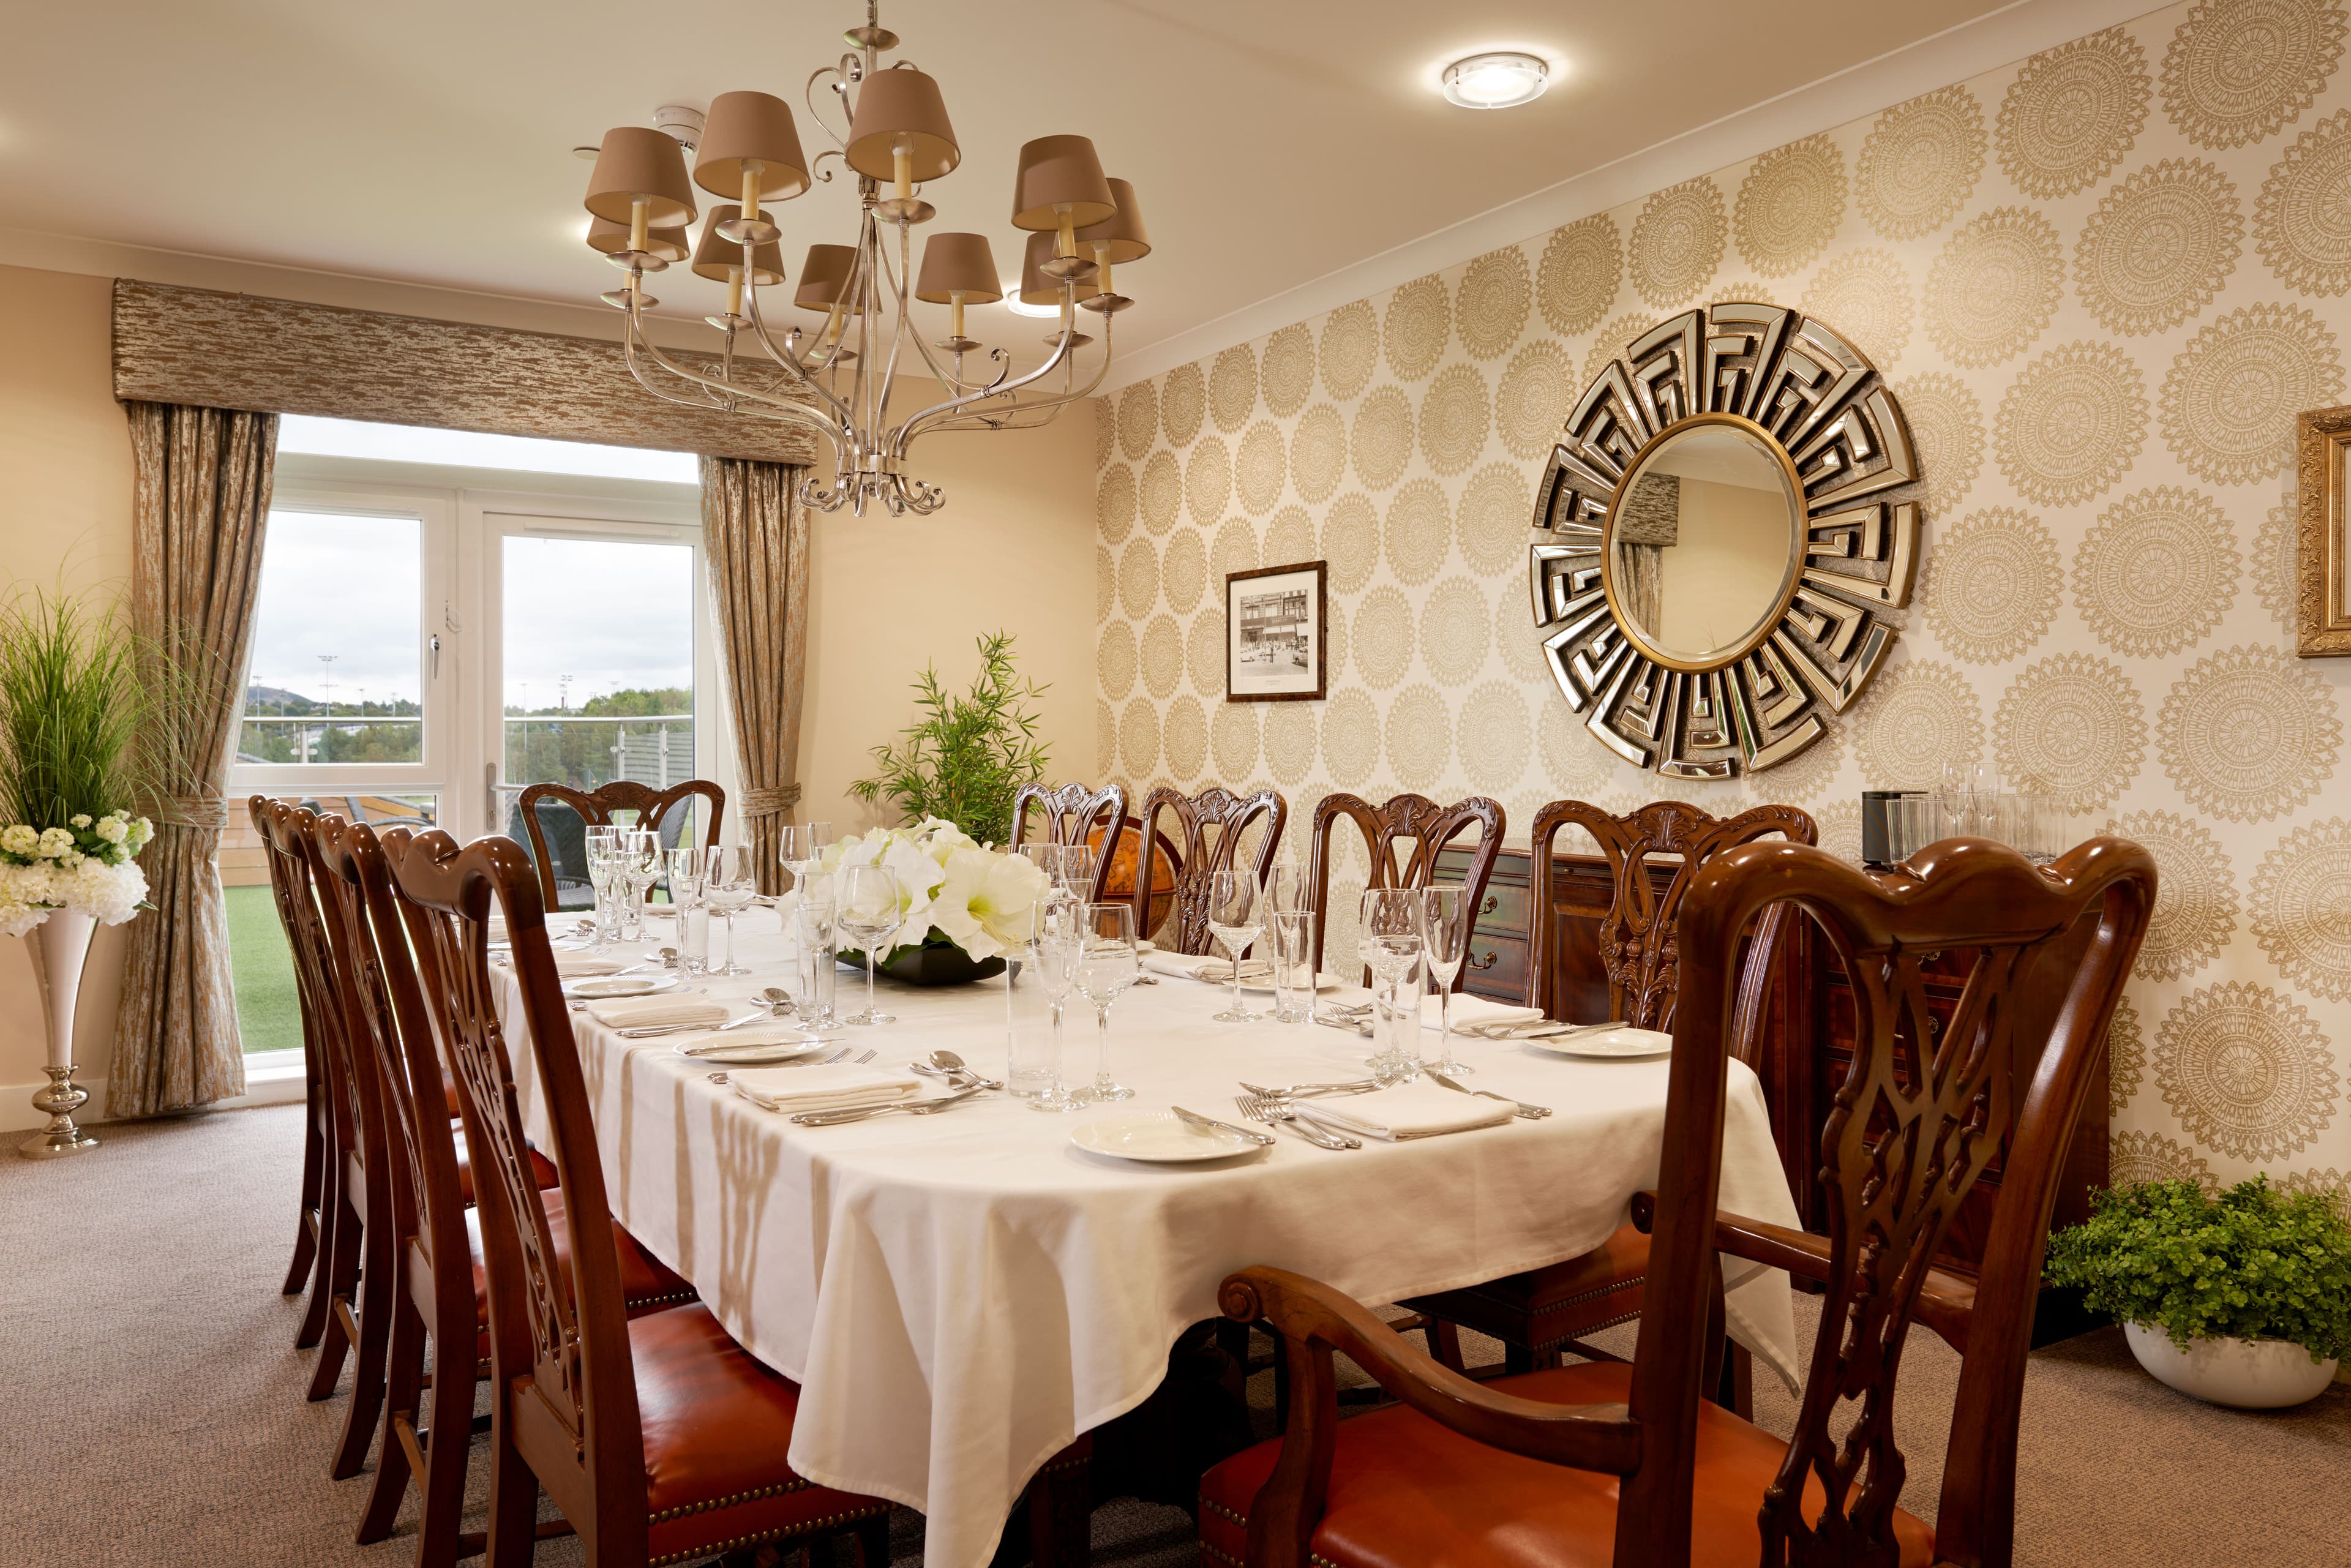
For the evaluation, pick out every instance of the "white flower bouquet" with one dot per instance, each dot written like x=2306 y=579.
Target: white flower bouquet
x=955 y=890
x=84 y=864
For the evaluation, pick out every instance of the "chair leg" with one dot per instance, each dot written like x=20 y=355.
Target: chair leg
x=514 y=1500
x=874 y=1541
x=376 y=1297
x=1445 y=1344
x=305 y=1224
x=322 y=1265
x=1060 y=1516
x=339 y=1288
x=404 y=1381
x=1737 y=1393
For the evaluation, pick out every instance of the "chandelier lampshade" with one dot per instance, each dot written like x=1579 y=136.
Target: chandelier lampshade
x=637 y=163
x=902 y=110
x=612 y=239
x=839 y=378
x=718 y=258
x=1060 y=185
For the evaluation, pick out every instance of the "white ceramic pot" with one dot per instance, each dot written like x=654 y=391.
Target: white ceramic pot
x=2250 y=1373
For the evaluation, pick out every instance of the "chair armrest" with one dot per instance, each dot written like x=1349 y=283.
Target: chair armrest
x=1315 y=1319
x=1946 y=1299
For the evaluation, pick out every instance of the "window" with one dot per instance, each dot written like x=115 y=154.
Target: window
x=444 y=618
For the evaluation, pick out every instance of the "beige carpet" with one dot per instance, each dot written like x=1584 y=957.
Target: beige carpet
x=151 y=1407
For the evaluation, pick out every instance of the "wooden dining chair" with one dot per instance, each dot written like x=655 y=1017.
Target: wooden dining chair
x=1404 y=834
x=318 y=1109
x=595 y=807
x=1538 y=1314
x=1605 y=1462
x=436 y=1297
x=658 y=1437
x=1209 y=828
x=1074 y=814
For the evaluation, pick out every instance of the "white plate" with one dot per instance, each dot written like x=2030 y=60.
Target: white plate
x=773 y=1053
x=604 y=988
x=1160 y=1137
x=1608 y=1043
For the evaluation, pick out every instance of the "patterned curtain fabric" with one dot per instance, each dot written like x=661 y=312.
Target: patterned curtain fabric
x=755 y=536
x=202 y=501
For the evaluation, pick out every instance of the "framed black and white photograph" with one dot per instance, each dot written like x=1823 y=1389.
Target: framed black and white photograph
x=1273 y=634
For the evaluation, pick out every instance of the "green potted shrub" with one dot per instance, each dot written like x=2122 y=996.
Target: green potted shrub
x=2243 y=1298
x=966 y=756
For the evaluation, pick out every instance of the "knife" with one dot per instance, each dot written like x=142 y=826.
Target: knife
x=1518 y=1108
x=1197 y=1120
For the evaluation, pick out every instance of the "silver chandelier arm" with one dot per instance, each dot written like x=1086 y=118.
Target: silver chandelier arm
x=841 y=72
x=1048 y=406
x=790 y=362
x=916 y=424
x=782 y=408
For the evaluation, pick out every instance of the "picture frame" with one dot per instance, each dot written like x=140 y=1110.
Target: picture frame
x=2321 y=545
x=1276 y=633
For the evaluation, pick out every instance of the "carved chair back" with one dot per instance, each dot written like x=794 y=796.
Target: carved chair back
x=1404 y=834
x=1638 y=947
x=1922 y=1112
x=565 y=1388
x=1210 y=828
x=282 y=895
x=595 y=807
x=1075 y=814
x=287 y=835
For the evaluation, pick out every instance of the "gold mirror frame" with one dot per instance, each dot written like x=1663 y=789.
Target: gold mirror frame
x=1794 y=382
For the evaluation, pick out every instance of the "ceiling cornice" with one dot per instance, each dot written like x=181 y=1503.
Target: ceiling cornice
x=1970 y=49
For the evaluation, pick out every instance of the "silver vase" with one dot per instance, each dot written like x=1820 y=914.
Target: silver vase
x=64 y=939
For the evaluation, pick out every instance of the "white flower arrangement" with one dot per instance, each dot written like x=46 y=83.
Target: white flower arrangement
x=950 y=885
x=88 y=865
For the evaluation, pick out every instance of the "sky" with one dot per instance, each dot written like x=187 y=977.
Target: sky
x=609 y=613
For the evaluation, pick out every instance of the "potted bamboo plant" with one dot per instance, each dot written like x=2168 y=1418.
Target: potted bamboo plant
x=2243 y=1298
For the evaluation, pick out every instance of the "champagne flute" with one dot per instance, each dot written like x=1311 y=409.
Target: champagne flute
x=686 y=869
x=1076 y=871
x=1444 y=944
x=603 y=851
x=1237 y=916
x=1107 y=965
x=1055 y=947
x=872 y=910
x=1046 y=856
x=729 y=884
x=640 y=868
x=800 y=845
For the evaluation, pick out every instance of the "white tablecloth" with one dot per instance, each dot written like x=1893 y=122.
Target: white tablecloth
x=960 y=1295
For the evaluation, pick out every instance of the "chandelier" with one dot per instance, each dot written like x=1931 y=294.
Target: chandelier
x=840 y=378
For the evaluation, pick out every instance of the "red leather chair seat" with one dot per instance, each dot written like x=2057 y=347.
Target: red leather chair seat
x=647 y=1284
x=1558 y=1301
x=717 y=1425
x=542 y=1169
x=1406 y=1493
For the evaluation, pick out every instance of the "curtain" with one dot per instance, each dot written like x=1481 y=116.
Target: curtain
x=755 y=536
x=199 y=508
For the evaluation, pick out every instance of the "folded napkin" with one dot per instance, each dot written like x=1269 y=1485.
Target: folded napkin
x=1477 y=1012
x=1416 y=1110
x=1256 y=971
x=1183 y=966
x=579 y=966
x=657 y=1011
x=839 y=1086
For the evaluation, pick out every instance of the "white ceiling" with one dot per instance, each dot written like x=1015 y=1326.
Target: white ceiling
x=1272 y=145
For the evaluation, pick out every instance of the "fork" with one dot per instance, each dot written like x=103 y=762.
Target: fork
x=828 y=1062
x=1518 y=1108
x=1262 y=1108
x=1295 y=1090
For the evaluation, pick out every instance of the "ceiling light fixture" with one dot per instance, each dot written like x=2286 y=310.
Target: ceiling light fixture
x=839 y=383
x=1503 y=78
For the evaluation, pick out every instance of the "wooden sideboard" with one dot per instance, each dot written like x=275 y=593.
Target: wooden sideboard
x=1807 y=1039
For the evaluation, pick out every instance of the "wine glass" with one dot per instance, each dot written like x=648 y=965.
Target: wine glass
x=1046 y=856
x=1237 y=916
x=1076 y=871
x=685 y=868
x=1054 y=950
x=1385 y=912
x=1107 y=965
x=603 y=853
x=640 y=866
x=800 y=845
x=730 y=882
x=1445 y=943
x=1968 y=794
x=871 y=909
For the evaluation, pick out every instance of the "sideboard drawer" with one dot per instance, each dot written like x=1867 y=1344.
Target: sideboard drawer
x=1496 y=968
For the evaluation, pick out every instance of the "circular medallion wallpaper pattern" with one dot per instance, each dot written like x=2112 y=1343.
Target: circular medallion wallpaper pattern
x=1581 y=268
x=1678 y=242
x=1790 y=205
x=1382 y=636
x=1493 y=527
x=1419 y=736
x=1350 y=349
x=1489 y=308
x=1232 y=387
x=2227 y=406
x=1263 y=463
x=2245 y=1069
x=1115 y=503
x=1286 y=374
x=2157 y=571
x=1185 y=738
x=1495 y=736
x=2302 y=222
x=1454 y=419
x=1138 y=420
x=1866 y=295
x=1917 y=716
x=1233 y=549
x=1183 y=399
x=1207 y=481
x=1204 y=652
x=1184 y=571
x=1290 y=535
x=2301 y=907
x=2151 y=1156
x=2071 y=726
x=1162 y=493
x=2071 y=114
x=1453 y=630
x=2237 y=70
x=2159 y=247
x=1990 y=584
x=1995 y=287
x=1381 y=442
x=1538 y=388
x=1947 y=425
x=1920 y=164
x=2125 y=1056
x=1233 y=736
x=1351 y=543
x=1419 y=531
x=2248 y=734
x=2070 y=424
x=1162 y=655
x=1417 y=323
x=1114 y=659
x=1318 y=454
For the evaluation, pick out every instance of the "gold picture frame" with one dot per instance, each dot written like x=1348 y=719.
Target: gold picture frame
x=2322 y=611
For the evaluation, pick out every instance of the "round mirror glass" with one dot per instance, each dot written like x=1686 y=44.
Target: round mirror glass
x=1703 y=543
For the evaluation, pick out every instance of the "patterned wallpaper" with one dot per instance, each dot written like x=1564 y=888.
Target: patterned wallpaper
x=2102 y=282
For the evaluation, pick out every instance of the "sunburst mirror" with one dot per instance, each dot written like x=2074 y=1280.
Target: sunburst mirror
x=1730 y=511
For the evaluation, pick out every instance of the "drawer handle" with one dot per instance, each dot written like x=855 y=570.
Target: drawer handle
x=1493 y=902
x=1493 y=957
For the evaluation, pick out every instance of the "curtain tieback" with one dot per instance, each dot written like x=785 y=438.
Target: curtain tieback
x=774 y=803
x=191 y=811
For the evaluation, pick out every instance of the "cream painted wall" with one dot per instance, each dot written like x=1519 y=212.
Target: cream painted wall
x=1728 y=565
x=1012 y=551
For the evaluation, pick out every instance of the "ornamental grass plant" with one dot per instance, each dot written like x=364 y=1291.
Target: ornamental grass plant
x=966 y=756
x=2250 y=1263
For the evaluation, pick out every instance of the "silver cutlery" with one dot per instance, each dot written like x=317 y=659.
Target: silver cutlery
x=1273 y=1112
x=946 y=1064
x=1309 y=1091
x=828 y=1062
x=721 y=1047
x=1194 y=1118
x=1353 y=1026
x=1518 y=1108
x=654 y=1030
x=911 y=1108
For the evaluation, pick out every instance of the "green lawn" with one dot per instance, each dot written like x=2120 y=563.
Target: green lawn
x=267 y=1014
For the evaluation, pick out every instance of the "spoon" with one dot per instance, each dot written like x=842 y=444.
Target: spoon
x=776 y=996
x=946 y=1064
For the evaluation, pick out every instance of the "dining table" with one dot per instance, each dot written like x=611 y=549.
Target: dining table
x=959 y=1295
